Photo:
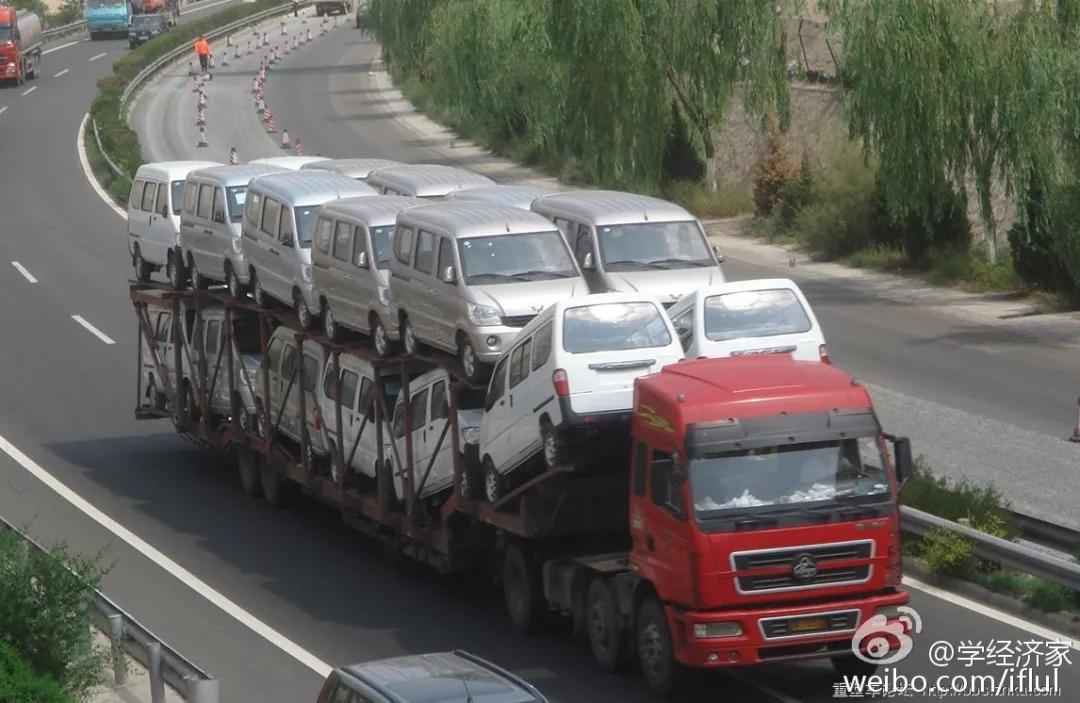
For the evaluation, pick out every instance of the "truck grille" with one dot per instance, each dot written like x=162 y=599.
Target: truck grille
x=823 y=557
x=809 y=625
x=517 y=320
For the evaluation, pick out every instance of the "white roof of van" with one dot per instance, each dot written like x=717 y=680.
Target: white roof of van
x=464 y=219
x=512 y=195
x=236 y=175
x=303 y=188
x=172 y=170
x=353 y=168
x=610 y=207
x=427 y=180
x=294 y=163
x=374 y=210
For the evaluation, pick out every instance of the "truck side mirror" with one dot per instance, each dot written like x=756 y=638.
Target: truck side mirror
x=587 y=262
x=717 y=254
x=902 y=459
x=449 y=275
x=361 y=260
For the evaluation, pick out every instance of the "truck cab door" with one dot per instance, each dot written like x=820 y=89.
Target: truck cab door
x=660 y=527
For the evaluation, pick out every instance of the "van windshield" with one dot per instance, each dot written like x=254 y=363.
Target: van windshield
x=512 y=258
x=647 y=246
x=380 y=242
x=305 y=224
x=237 y=198
x=614 y=327
x=754 y=313
x=177 y=188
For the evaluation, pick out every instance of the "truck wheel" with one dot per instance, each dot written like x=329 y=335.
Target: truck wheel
x=275 y=487
x=609 y=644
x=247 y=464
x=522 y=589
x=142 y=268
x=655 y=653
x=198 y=281
x=303 y=312
x=851 y=665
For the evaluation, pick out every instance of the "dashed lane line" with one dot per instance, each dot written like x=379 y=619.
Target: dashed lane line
x=95 y=58
x=25 y=273
x=57 y=75
x=62 y=46
x=93 y=330
x=29 y=90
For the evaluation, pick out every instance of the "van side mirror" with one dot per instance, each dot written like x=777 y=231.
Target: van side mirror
x=361 y=260
x=287 y=240
x=449 y=275
x=902 y=459
x=219 y=216
x=717 y=254
x=587 y=262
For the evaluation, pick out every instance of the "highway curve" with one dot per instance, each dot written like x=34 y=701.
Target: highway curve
x=68 y=406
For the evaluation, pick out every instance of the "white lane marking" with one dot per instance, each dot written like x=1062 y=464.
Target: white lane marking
x=180 y=573
x=57 y=75
x=993 y=613
x=29 y=90
x=200 y=8
x=63 y=46
x=3 y=109
x=80 y=146
x=22 y=269
x=95 y=58
x=93 y=330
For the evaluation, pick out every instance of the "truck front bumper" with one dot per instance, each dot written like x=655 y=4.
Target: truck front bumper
x=767 y=632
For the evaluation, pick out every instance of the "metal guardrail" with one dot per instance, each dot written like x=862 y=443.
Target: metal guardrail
x=97 y=140
x=998 y=550
x=63 y=29
x=129 y=636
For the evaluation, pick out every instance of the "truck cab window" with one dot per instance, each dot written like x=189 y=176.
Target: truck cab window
x=666 y=492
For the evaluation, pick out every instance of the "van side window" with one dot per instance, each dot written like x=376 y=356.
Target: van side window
x=684 y=327
x=541 y=346
x=367 y=387
x=206 y=200
x=519 y=363
x=329 y=387
x=271 y=212
x=288 y=363
x=219 y=205
x=349 y=380
x=343 y=241
x=666 y=493
x=253 y=208
x=583 y=245
x=403 y=240
x=425 y=252
x=135 y=199
x=641 y=452
x=163 y=327
x=148 y=196
x=324 y=235
x=446 y=256
x=311 y=374
x=418 y=408
x=285 y=232
x=212 y=341
x=163 y=200
x=440 y=408
x=498 y=383
x=274 y=354
x=191 y=195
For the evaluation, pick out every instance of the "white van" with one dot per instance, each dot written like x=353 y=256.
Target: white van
x=279 y=224
x=568 y=380
x=762 y=316
x=284 y=371
x=288 y=163
x=161 y=323
x=425 y=180
x=359 y=169
x=154 y=218
x=512 y=195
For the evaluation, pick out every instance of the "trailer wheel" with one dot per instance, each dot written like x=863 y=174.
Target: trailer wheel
x=655 y=652
x=609 y=643
x=850 y=665
x=274 y=486
x=247 y=464
x=522 y=589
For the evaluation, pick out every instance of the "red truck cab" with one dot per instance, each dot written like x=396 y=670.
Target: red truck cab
x=763 y=514
x=20 y=45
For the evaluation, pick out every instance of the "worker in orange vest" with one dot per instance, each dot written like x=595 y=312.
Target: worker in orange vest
x=202 y=48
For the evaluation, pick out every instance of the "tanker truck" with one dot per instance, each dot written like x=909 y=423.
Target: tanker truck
x=20 y=45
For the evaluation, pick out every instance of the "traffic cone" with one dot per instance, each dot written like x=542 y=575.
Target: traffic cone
x=228 y=40
x=1076 y=430
x=250 y=50
x=266 y=39
x=200 y=117
x=285 y=143
x=283 y=32
x=213 y=63
x=308 y=34
x=191 y=67
x=202 y=99
x=202 y=138
x=233 y=158
x=195 y=85
x=255 y=85
x=238 y=54
x=271 y=126
x=225 y=59
x=298 y=148
x=295 y=41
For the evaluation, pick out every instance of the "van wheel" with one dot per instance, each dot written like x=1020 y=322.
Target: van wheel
x=522 y=589
x=174 y=269
x=408 y=336
x=494 y=482
x=469 y=363
x=655 y=654
x=143 y=269
x=247 y=464
x=233 y=282
x=257 y=292
x=330 y=326
x=554 y=455
x=609 y=644
x=303 y=312
x=380 y=339
x=198 y=282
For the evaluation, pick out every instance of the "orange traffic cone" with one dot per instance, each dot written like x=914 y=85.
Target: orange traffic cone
x=202 y=138
x=285 y=143
x=271 y=126
x=200 y=118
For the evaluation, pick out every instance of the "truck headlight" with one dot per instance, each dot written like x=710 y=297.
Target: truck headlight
x=384 y=295
x=483 y=315
x=305 y=272
x=709 y=630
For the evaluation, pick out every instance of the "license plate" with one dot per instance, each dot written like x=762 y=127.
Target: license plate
x=808 y=625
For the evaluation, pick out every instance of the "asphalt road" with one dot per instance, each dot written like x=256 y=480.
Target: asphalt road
x=69 y=398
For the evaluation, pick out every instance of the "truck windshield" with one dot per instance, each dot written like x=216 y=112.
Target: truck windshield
x=5 y=33
x=512 y=258
x=96 y=4
x=614 y=327
x=653 y=246
x=237 y=198
x=754 y=313
x=380 y=243
x=777 y=479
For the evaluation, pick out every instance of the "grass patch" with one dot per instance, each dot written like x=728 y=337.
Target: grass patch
x=878 y=258
x=971 y=270
x=698 y=199
x=984 y=506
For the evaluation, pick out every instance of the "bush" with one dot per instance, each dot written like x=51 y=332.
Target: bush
x=879 y=257
x=972 y=268
x=774 y=171
x=1006 y=581
x=19 y=683
x=1049 y=596
x=43 y=614
x=984 y=506
x=698 y=199
x=947 y=552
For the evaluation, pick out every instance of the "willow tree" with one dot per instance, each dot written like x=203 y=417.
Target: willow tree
x=708 y=50
x=941 y=90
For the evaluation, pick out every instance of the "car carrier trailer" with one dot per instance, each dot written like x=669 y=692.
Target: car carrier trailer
x=625 y=551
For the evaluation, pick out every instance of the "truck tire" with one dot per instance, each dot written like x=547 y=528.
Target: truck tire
x=247 y=465
x=232 y=282
x=655 y=652
x=523 y=589
x=851 y=665
x=610 y=645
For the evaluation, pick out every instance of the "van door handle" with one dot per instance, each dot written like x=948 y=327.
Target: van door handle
x=208 y=232
x=275 y=252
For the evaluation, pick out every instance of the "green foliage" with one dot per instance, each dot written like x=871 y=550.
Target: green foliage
x=698 y=199
x=947 y=552
x=70 y=11
x=117 y=138
x=841 y=217
x=1006 y=581
x=19 y=683
x=43 y=614
x=984 y=506
x=973 y=270
x=1049 y=596
x=880 y=257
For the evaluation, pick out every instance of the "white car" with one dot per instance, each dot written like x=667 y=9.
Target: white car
x=762 y=316
x=565 y=385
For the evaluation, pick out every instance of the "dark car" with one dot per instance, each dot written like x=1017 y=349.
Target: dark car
x=145 y=27
x=448 y=677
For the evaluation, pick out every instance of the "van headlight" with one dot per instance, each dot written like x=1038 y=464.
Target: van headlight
x=305 y=272
x=483 y=315
x=470 y=435
x=384 y=295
